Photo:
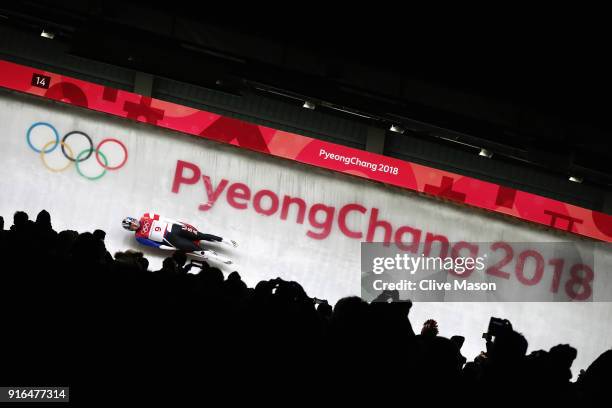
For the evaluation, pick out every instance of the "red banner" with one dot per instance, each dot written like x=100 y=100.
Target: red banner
x=451 y=186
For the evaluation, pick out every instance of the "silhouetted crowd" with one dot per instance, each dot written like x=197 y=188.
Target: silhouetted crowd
x=73 y=314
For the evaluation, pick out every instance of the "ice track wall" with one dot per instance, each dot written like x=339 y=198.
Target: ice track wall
x=291 y=220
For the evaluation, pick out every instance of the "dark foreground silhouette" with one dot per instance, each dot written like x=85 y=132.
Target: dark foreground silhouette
x=75 y=315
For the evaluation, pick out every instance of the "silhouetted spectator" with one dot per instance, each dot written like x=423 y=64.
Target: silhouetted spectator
x=135 y=322
x=180 y=257
x=594 y=382
x=143 y=263
x=561 y=357
x=430 y=328
x=99 y=234
x=44 y=231
x=21 y=222
x=43 y=220
x=169 y=268
x=234 y=286
x=210 y=279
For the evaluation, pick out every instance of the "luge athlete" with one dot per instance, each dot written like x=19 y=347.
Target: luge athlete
x=165 y=233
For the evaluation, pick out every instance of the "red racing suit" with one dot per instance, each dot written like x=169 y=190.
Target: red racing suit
x=157 y=231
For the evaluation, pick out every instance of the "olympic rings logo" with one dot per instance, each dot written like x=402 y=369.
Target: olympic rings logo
x=68 y=153
x=145 y=227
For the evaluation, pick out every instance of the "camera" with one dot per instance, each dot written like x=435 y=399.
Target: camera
x=497 y=327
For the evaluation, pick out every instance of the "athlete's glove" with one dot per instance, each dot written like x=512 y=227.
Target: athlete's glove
x=230 y=243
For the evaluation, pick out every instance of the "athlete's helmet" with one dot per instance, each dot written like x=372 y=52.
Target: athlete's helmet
x=130 y=223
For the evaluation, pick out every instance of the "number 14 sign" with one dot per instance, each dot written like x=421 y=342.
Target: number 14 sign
x=41 y=81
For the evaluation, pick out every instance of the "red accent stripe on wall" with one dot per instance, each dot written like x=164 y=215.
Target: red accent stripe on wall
x=412 y=176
